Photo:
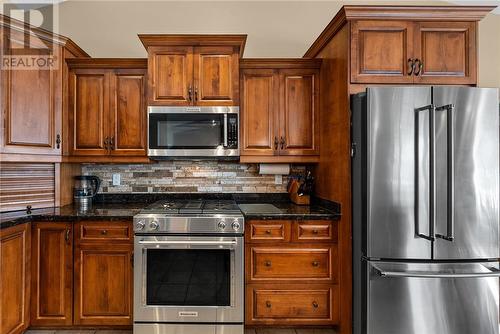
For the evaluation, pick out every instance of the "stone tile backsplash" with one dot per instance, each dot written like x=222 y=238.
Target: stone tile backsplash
x=177 y=176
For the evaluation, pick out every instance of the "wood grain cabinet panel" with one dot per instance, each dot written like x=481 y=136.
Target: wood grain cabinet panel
x=216 y=76
x=104 y=231
x=89 y=106
x=447 y=51
x=52 y=272
x=128 y=113
x=380 y=51
x=107 y=272
x=315 y=231
x=259 y=112
x=299 y=122
x=171 y=75
x=14 y=279
x=268 y=231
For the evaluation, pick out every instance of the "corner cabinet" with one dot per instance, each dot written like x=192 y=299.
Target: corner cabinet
x=279 y=110
x=107 y=109
x=413 y=52
x=15 y=279
x=193 y=70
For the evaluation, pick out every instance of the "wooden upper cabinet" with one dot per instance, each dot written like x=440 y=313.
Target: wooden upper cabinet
x=447 y=52
x=15 y=279
x=380 y=51
x=259 y=111
x=128 y=112
x=52 y=272
x=216 y=76
x=299 y=133
x=88 y=110
x=171 y=75
x=197 y=70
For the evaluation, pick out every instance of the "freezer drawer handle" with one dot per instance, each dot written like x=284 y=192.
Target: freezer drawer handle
x=432 y=172
x=450 y=221
x=432 y=274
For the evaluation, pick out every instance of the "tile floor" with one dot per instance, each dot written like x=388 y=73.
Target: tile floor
x=247 y=331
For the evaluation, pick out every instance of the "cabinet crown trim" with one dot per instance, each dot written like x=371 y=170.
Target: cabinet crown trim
x=407 y=13
x=111 y=63
x=280 y=63
x=235 y=40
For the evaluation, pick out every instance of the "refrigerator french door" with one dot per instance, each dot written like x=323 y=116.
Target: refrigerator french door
x=425 y=210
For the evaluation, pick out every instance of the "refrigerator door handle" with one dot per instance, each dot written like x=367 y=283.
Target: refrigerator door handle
x=450 y=219
x=490 y=272
x=432 y=172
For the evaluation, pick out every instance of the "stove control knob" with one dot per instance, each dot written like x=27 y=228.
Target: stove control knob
x=221 y=225
x=153 y=225
x=140 y=225
x=236 y=225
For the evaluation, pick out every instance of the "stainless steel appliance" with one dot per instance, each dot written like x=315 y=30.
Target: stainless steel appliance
x=193 y=132
x=188 y=268
x=85 y=187
x=426 y=210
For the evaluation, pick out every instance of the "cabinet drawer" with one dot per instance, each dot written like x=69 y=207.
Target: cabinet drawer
x=109 y=231
x=273 y=230
x=320 y=230
x=318 y=304
x=291 y=263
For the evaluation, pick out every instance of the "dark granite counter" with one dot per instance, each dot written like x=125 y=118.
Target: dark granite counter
x=119 y=207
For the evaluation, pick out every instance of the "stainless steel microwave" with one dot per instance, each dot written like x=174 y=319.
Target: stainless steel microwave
x=196 y=132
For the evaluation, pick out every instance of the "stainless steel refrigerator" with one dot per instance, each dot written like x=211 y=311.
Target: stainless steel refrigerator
x=425 y=182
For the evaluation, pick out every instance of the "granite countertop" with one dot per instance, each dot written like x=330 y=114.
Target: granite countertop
x=125 y=207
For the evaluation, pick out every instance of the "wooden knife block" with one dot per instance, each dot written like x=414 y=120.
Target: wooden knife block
x=295 y=198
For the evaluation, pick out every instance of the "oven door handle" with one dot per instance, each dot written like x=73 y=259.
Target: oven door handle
x=189 y=242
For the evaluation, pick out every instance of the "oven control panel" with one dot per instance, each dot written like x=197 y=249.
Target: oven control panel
x=150 y=223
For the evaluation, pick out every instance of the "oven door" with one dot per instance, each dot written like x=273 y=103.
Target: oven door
x=178 y=132
x=188 y=279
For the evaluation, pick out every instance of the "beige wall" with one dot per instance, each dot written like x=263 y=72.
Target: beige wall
x=274 y=28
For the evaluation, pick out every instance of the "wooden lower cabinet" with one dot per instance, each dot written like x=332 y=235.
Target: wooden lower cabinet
x=52 y=274
x=14 y=279
x=291 y=273
x=103 y=274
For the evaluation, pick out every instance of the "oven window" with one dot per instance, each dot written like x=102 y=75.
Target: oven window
x=186 y=131
x=188 y=277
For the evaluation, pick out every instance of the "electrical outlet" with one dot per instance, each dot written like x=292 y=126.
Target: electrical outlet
x=278 y=179
x=116 y=179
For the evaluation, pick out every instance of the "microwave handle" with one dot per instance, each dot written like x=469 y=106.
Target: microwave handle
x=225 y=130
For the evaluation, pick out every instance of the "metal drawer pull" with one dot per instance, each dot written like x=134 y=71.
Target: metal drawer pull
x=315 y=305
x=187 y=242
x=315 y=263
x=268 y=231
x=315 y=231
x=411 y=66
x=58 y=141
x=104 y=232
x=419 y=67
x=267 y=263
x=275 y=143
x=268 y=303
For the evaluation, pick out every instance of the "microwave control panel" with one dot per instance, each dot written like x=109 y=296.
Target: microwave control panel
x=232 y=131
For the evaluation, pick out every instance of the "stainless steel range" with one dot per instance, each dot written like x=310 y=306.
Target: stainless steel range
x=188 y=268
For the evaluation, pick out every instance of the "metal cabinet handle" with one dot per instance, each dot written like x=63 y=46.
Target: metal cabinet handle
x=196 y=93
x=282 y=142
x=66 y=236
x=106 y=143
x=112 y=143
x=275 y=143
x=411 y=66
x=268 y=231
x=315 y=304
x=58 y=141
x=450 y=221
x=268 y=303
x=132 y=259
x=432 y=172
x=190 y=94
x=492 y=272
x=104 y=232
x=419 y=65
x=315 y=263
x=315 y=231
x=267 y=263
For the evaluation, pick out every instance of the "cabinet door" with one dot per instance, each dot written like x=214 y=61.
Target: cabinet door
x=216 y=76
x=31 y=105
x=52 y=269
x=447 y=51
x=14 y=278
x=259 y=112
x=127 y=117
x=170 y=72
x=103 y=284
x=380 y=51
x=299 y=94
x=89 y=108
